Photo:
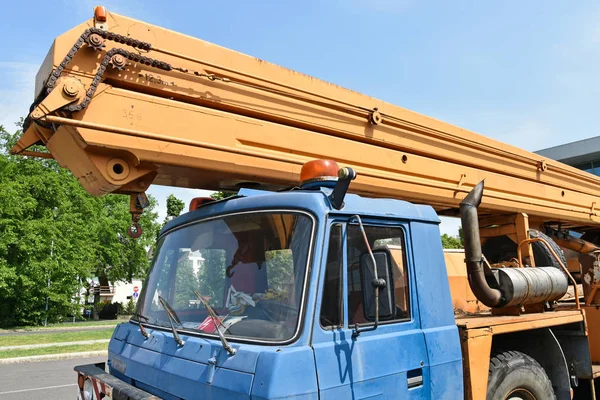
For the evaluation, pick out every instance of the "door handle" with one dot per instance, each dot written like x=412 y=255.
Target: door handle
x=415 y=378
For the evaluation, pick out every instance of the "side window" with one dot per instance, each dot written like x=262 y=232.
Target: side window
x=331 y=304
x=391 y=240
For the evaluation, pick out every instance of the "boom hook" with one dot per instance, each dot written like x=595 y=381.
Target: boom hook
x=137 y=203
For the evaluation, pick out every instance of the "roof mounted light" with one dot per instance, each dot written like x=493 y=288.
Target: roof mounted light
x=197 y=202
x=319 y=170
x=100 y=14
x=101 y=18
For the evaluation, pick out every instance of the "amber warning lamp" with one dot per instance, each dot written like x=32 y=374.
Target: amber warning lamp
x=199 y=201
x=100 y=14
x=318 y=170
x=326 y=172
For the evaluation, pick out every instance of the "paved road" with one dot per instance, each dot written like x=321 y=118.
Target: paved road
x=41 y=380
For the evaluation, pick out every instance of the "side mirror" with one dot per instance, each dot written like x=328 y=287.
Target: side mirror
x=385 y=281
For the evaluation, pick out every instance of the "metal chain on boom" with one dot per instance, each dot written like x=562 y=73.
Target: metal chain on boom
x=374 y=116
x=91 y=37
x=84 y=39
x=94 y=38
x=115 y=37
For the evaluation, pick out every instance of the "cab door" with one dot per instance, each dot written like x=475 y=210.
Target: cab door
x=389 y=362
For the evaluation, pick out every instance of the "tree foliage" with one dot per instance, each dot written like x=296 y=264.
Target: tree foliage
x=54 y=237
x=280 y=269
x=212 y=276
x=222 y=195
x=174 y=207
x=451 y=242
x=186 y=282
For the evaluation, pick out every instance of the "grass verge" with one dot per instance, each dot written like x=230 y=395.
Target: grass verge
x=67 y=325
x=40 y=338
x=53 y=350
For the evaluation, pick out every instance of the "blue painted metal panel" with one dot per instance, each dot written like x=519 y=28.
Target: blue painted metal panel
x=183 y=378
x=371 y=364
x=286 y=373
x=310 y=200
x=160 y=367
x=196 y=349
x=376 y=364
x=435 y=301
x=447 y=381
x=437 y=314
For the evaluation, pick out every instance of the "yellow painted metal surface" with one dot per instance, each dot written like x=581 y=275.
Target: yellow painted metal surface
x=592 y=319
x=224 y=119
x=463 y=299
x=499 y=324
x=476 y=348
x=476 y=333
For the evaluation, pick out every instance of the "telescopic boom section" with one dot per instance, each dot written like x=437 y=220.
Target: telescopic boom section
x=124 y=104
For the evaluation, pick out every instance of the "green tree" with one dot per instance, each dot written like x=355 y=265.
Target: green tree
x=451 y=242
x=54 y=235
x=280 y=269
x=222 y=195
x=174 y=207
x=211 y=276
x=117 y=256
x=186 y=282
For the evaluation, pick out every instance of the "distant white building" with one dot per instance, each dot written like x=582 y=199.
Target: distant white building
x=196 y=258
x=118 y=292
x=123 y=291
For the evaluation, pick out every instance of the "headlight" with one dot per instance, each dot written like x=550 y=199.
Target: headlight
x=88 y=390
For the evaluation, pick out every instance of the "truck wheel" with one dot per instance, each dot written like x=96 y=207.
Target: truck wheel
x=541 y=252
x=501 y=248
x=516 y=376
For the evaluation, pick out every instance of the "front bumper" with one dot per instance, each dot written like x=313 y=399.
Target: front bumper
x=107 y=386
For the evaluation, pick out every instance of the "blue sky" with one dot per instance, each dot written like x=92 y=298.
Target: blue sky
x=521 y=72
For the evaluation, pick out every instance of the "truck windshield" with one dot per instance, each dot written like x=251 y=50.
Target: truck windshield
x=250 y=268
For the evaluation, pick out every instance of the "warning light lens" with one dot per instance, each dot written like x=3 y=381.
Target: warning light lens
x=100 y=14
x=199 y=201
x=319 y=170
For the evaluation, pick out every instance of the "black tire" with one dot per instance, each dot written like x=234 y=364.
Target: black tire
x=501 y=248
x=514 y=375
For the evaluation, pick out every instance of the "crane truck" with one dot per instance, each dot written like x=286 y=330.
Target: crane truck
x=324 y=276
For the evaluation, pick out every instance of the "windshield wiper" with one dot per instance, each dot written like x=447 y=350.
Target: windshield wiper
x=218 y=322
x=172 y=317
x=169 y=309
x=142 y=329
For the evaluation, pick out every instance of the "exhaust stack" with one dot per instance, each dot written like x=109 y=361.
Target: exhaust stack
x=473 y=257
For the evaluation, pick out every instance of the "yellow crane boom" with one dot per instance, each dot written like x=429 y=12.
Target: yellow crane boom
x=124 y=104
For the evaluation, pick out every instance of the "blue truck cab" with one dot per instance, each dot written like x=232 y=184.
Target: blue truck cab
x=295 y=295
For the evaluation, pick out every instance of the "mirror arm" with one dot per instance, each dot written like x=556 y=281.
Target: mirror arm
x=376 y=284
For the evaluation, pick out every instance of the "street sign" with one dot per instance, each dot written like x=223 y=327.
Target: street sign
x=135 y=295
x=136 y=289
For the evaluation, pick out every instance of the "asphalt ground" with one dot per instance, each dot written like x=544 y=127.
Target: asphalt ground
x=42 y=380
